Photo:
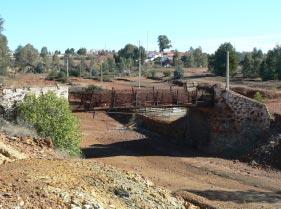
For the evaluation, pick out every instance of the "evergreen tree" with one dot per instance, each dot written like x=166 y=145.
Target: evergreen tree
x=247 y=66
x=163 y=43
x=219 y=67
x=4 y=50
x=4 y=54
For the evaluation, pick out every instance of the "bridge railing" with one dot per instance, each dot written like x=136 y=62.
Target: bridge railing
x=138 y=98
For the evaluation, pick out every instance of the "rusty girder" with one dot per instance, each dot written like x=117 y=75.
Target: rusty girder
x=134 y=98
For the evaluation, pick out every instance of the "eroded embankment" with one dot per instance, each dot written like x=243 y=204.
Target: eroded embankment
x=34 y=175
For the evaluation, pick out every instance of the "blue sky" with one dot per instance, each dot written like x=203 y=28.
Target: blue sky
x=59 y=24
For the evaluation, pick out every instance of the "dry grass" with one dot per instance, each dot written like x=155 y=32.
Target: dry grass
x=12 y=129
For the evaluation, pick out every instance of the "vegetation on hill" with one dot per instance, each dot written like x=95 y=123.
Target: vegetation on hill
x=57 y=76
x=4 y=57
x=258 y=97
x=88 y=64
x=4 y=50
x=270 y=67
x=52 y=117
x=178 y=73
x=195 y=58
x=163 y=43
x=252 y=63
x=217 y=61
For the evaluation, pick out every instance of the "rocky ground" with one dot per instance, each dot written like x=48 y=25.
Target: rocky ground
x=267 y=154
x=23 y=147
x=268 y=151
x=34 y=175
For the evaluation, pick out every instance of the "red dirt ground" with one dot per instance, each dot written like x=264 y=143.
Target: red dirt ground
x=213 y=181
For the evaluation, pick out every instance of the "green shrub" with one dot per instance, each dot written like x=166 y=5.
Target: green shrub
x=151 y=74
x=258 y=97
x=92 y=88
x=107 y=78
x=74 y=73
x=95 y=72
x=62 y=77
x=52 y=75
x=57 y=76
x=40 y=68
x=178 y=73
x=167 y=73
x=144 y=72
x=51 y=117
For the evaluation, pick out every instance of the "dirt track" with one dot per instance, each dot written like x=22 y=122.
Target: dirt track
x=213 y=181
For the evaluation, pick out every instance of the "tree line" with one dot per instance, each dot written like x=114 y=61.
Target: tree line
x=254 y=64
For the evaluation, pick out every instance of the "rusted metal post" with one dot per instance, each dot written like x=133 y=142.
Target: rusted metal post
x=100 y=99
x=92 y=101
x=157 y=98
x=196 y=95
x=177 y=97
x=113 y=98
x=133 y=96
x=185 y=86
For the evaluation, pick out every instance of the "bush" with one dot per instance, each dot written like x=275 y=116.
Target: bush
x=157 y=61
x=167 y=73
x=151 y=74
x=144 y=72
x=107 y=78
x=57 y=76
x=93 y=88
x=40 y=68
x=52 y=75
x=178 y=73
x=61 y=77
x=74 y=73
x=95 y=72
x=51 y=117
x=258 y=97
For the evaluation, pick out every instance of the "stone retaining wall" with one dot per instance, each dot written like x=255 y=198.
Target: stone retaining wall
x=232 y=112
x=9 y=97
x=233 y=125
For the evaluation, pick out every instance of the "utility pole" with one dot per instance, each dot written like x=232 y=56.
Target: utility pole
x=80 y=69
x=91 y=66
x=227 y=70
x=67 y=74
x=139 y=65
x=101 y=74
x=147 y=41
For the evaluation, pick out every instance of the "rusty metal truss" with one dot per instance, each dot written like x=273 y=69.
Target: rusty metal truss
x=139 y=98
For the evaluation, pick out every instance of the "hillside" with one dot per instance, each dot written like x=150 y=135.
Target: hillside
x=33 y=175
